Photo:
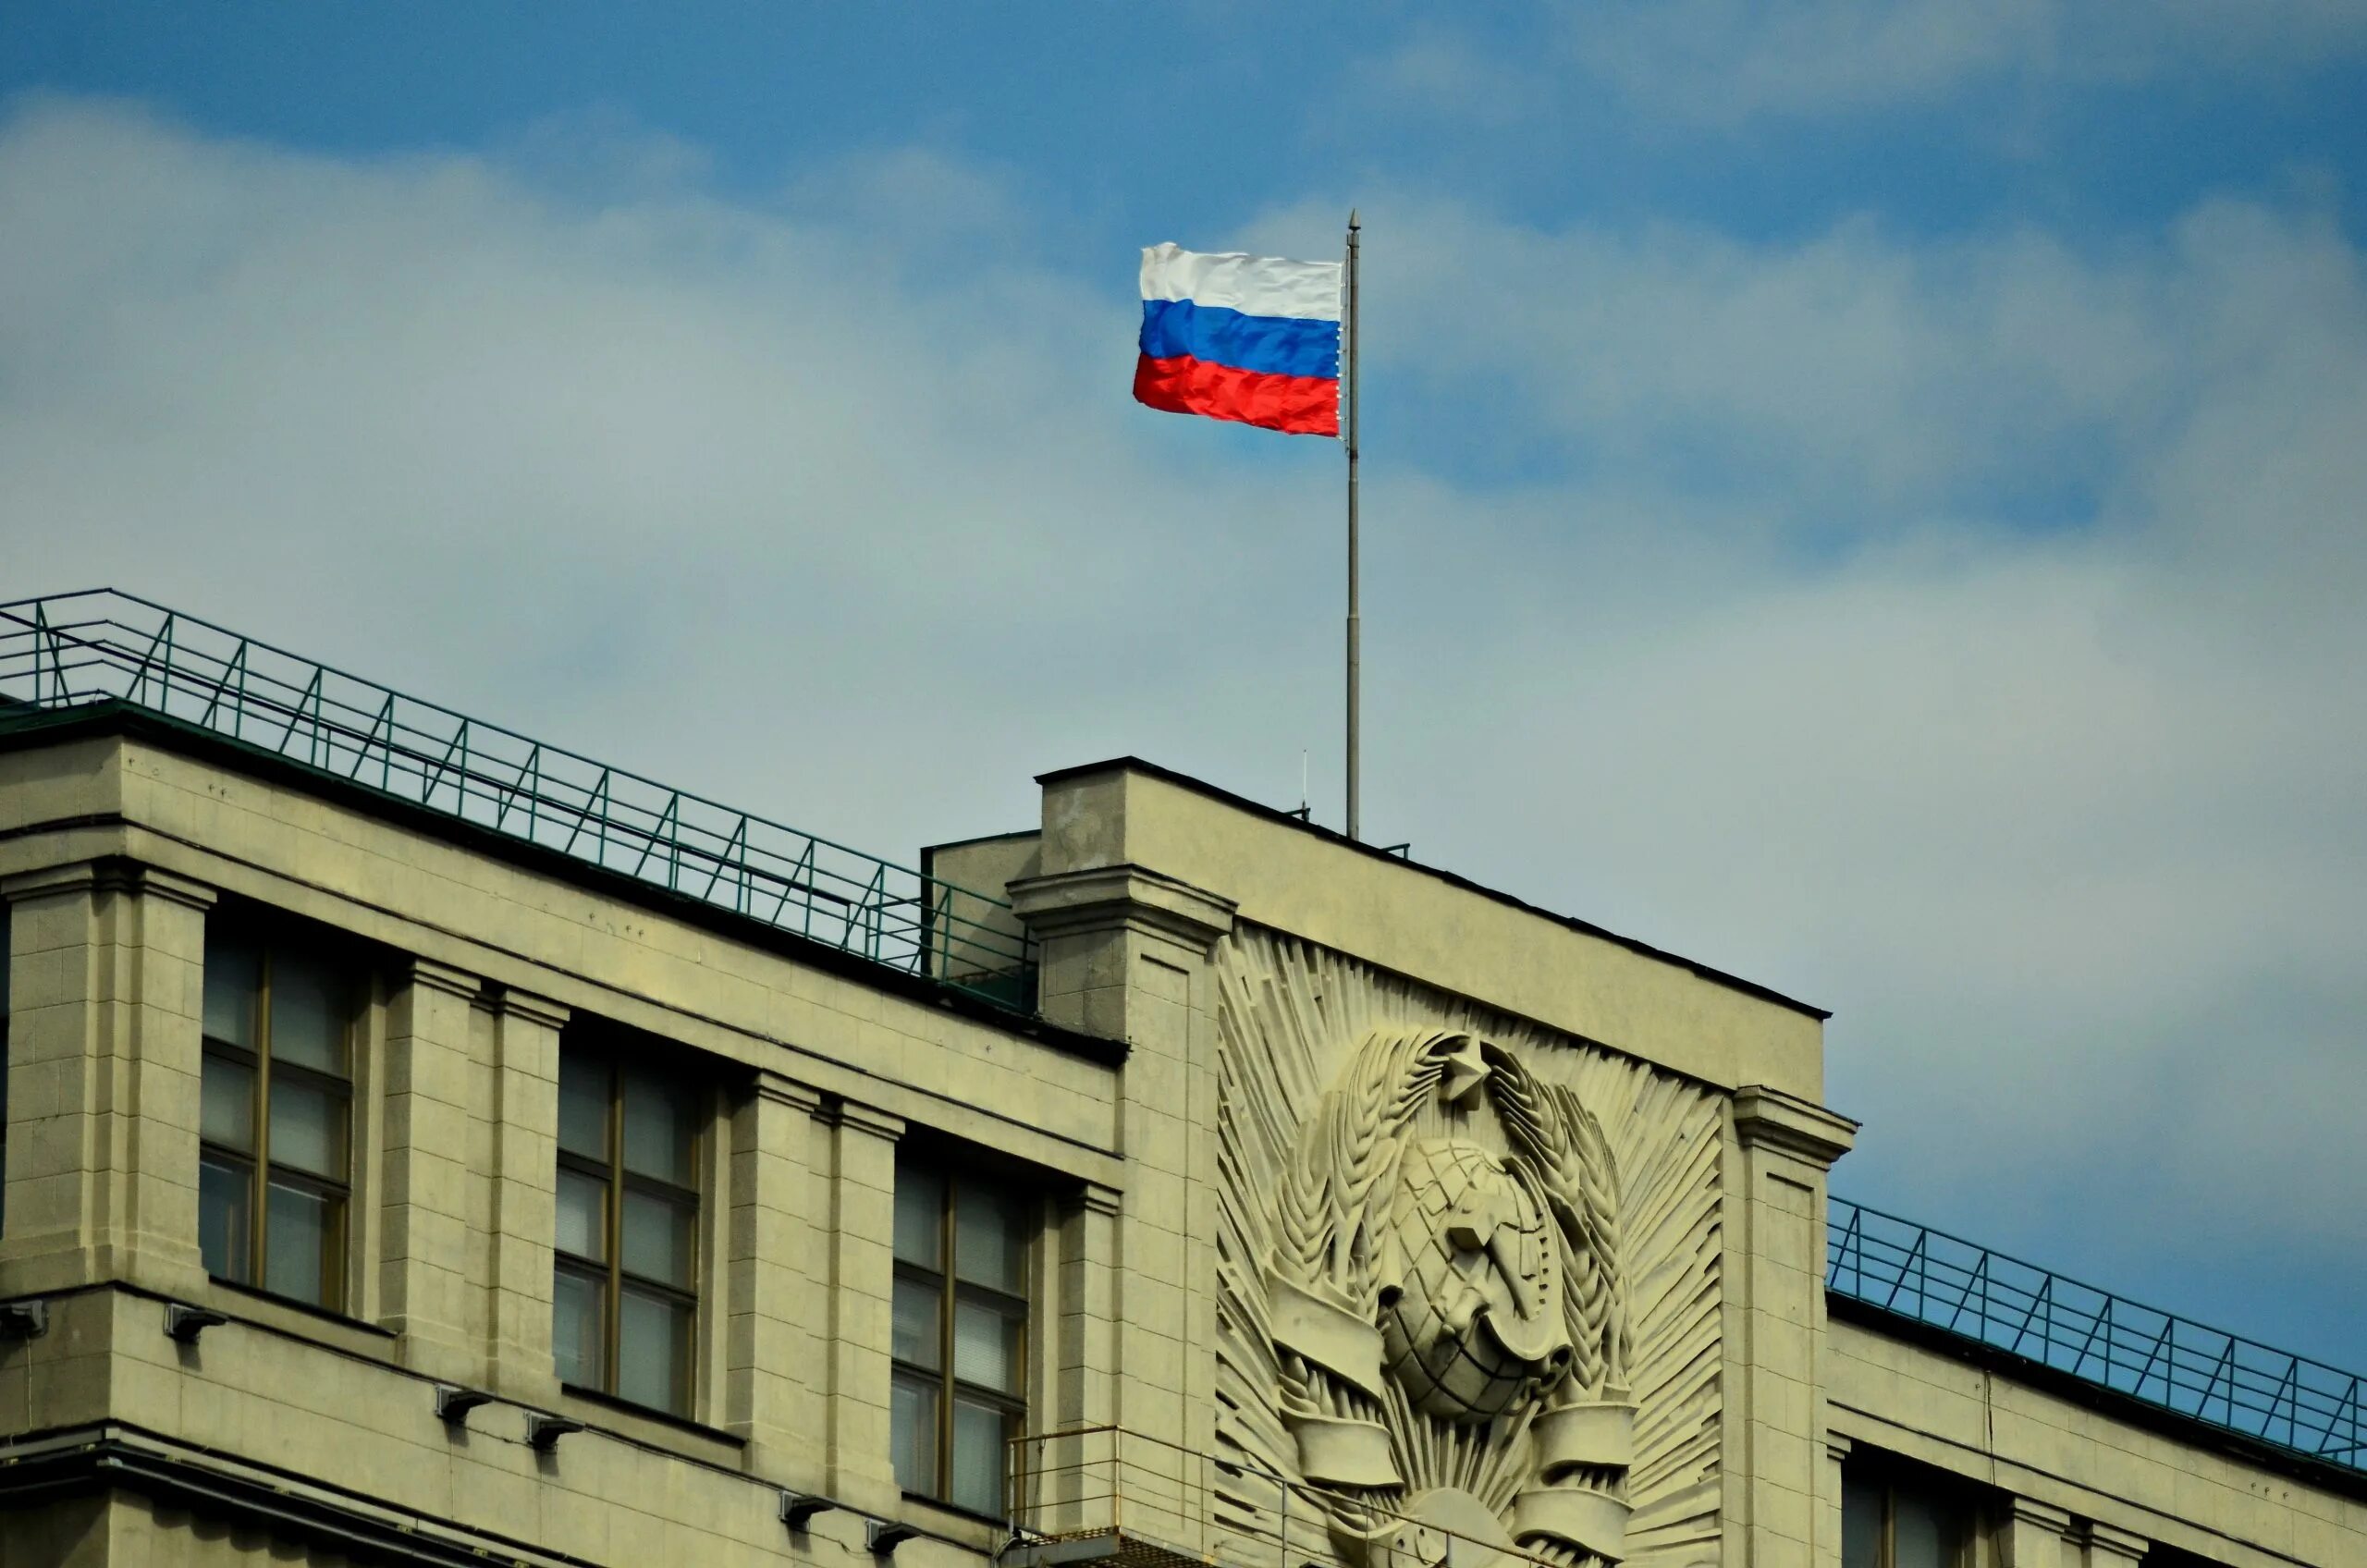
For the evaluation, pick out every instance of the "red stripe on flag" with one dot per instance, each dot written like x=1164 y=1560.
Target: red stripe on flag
x=1297 y=405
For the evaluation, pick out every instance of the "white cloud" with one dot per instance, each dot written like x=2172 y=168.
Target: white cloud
x=771 y=502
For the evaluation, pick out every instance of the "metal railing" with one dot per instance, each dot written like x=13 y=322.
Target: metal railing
x=71 y=650
x=2207 y=1375
x=1079 y=1482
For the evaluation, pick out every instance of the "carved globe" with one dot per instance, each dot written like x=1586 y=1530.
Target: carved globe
x=1470 y=1300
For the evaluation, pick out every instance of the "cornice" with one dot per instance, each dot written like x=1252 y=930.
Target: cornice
x=75 y=876
x=275 y=1503
x=2043 y=1516
x=1768 y=1118
x=443 y=978
x=510 y=1001
x=780 y=1090
x=1130 y=897
x=110 y=874
x=864 y=1119
x=2110 y=1538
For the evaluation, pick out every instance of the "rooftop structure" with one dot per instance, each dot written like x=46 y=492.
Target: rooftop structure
x=68 y=652
x=2057 y=1325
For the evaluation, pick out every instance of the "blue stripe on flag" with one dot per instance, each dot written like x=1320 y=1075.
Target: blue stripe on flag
x=1270 y=345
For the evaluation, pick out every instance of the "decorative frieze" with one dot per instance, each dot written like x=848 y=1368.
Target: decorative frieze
x=1468 y=1278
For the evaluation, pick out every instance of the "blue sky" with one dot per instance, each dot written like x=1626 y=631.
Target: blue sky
x=1862 y=494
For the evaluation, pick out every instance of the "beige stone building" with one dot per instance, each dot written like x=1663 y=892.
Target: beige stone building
x=424 y=1144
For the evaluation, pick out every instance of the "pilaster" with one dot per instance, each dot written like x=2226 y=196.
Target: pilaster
x=1828 y=1513
x=2107 y=1546
x=1084 y=1379
x=105 y=1052
x=1127 y=955
x=776 y=1282
x=423 y=1201
x=2033 y=1535
x=1782 y=1498
x=858 y=1357
x=524 y=1114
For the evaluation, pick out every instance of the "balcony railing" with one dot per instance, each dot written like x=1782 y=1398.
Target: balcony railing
x=1111 y=1497
x=2208 y=1375
x=73 y=651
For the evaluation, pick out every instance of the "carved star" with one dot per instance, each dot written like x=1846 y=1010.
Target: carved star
x=1465 y=1070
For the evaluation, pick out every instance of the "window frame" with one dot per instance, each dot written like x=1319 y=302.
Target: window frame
x=1889 y=1479
x=617 y=1181
x=950 y=1291
x=269 y=941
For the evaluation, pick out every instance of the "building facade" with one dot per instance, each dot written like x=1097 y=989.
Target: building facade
x=425 y=1145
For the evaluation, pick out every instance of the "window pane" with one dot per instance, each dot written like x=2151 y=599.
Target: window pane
x=308 y=1128
x=583 y=1106
x=300 y=1230
x=584 y=1216
x=920 y=1217
x=1924 y=1530
x=310 y=1005
x=653 y=1352
x=918 y=1329
x=990 y=1239
x=986 y=1347
x=225 y=1196
x=576 y=1333
x=659 y=1128
x=978 y=1458
x=913 y=1434
x=233 y=980
x=1861 y=1521
x=660 y=1236
x=228 y=1091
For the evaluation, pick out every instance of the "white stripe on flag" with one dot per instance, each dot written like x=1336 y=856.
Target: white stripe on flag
x=1255 y=285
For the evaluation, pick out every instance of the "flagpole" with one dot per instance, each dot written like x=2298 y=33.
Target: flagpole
x=1354 y=621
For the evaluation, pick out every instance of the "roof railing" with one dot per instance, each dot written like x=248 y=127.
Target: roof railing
x=70 y=651
x=2204 y=1374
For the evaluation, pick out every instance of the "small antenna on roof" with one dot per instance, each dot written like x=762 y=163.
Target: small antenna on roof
x=1305 y=812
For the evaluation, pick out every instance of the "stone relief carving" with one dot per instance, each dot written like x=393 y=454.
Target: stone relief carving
x=1468 y=1296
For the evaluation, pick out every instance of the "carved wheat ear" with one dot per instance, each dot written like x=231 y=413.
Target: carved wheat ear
x=1598 y=1190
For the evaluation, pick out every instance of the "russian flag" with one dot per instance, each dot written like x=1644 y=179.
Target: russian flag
x=1251 y=338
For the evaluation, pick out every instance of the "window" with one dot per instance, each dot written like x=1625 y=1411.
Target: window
x=1896 y=1519
x=625 y=1301
x=961 y=1335
x=276 y=1117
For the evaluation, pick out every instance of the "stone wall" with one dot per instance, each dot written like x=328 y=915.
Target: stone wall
x=116 y=852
